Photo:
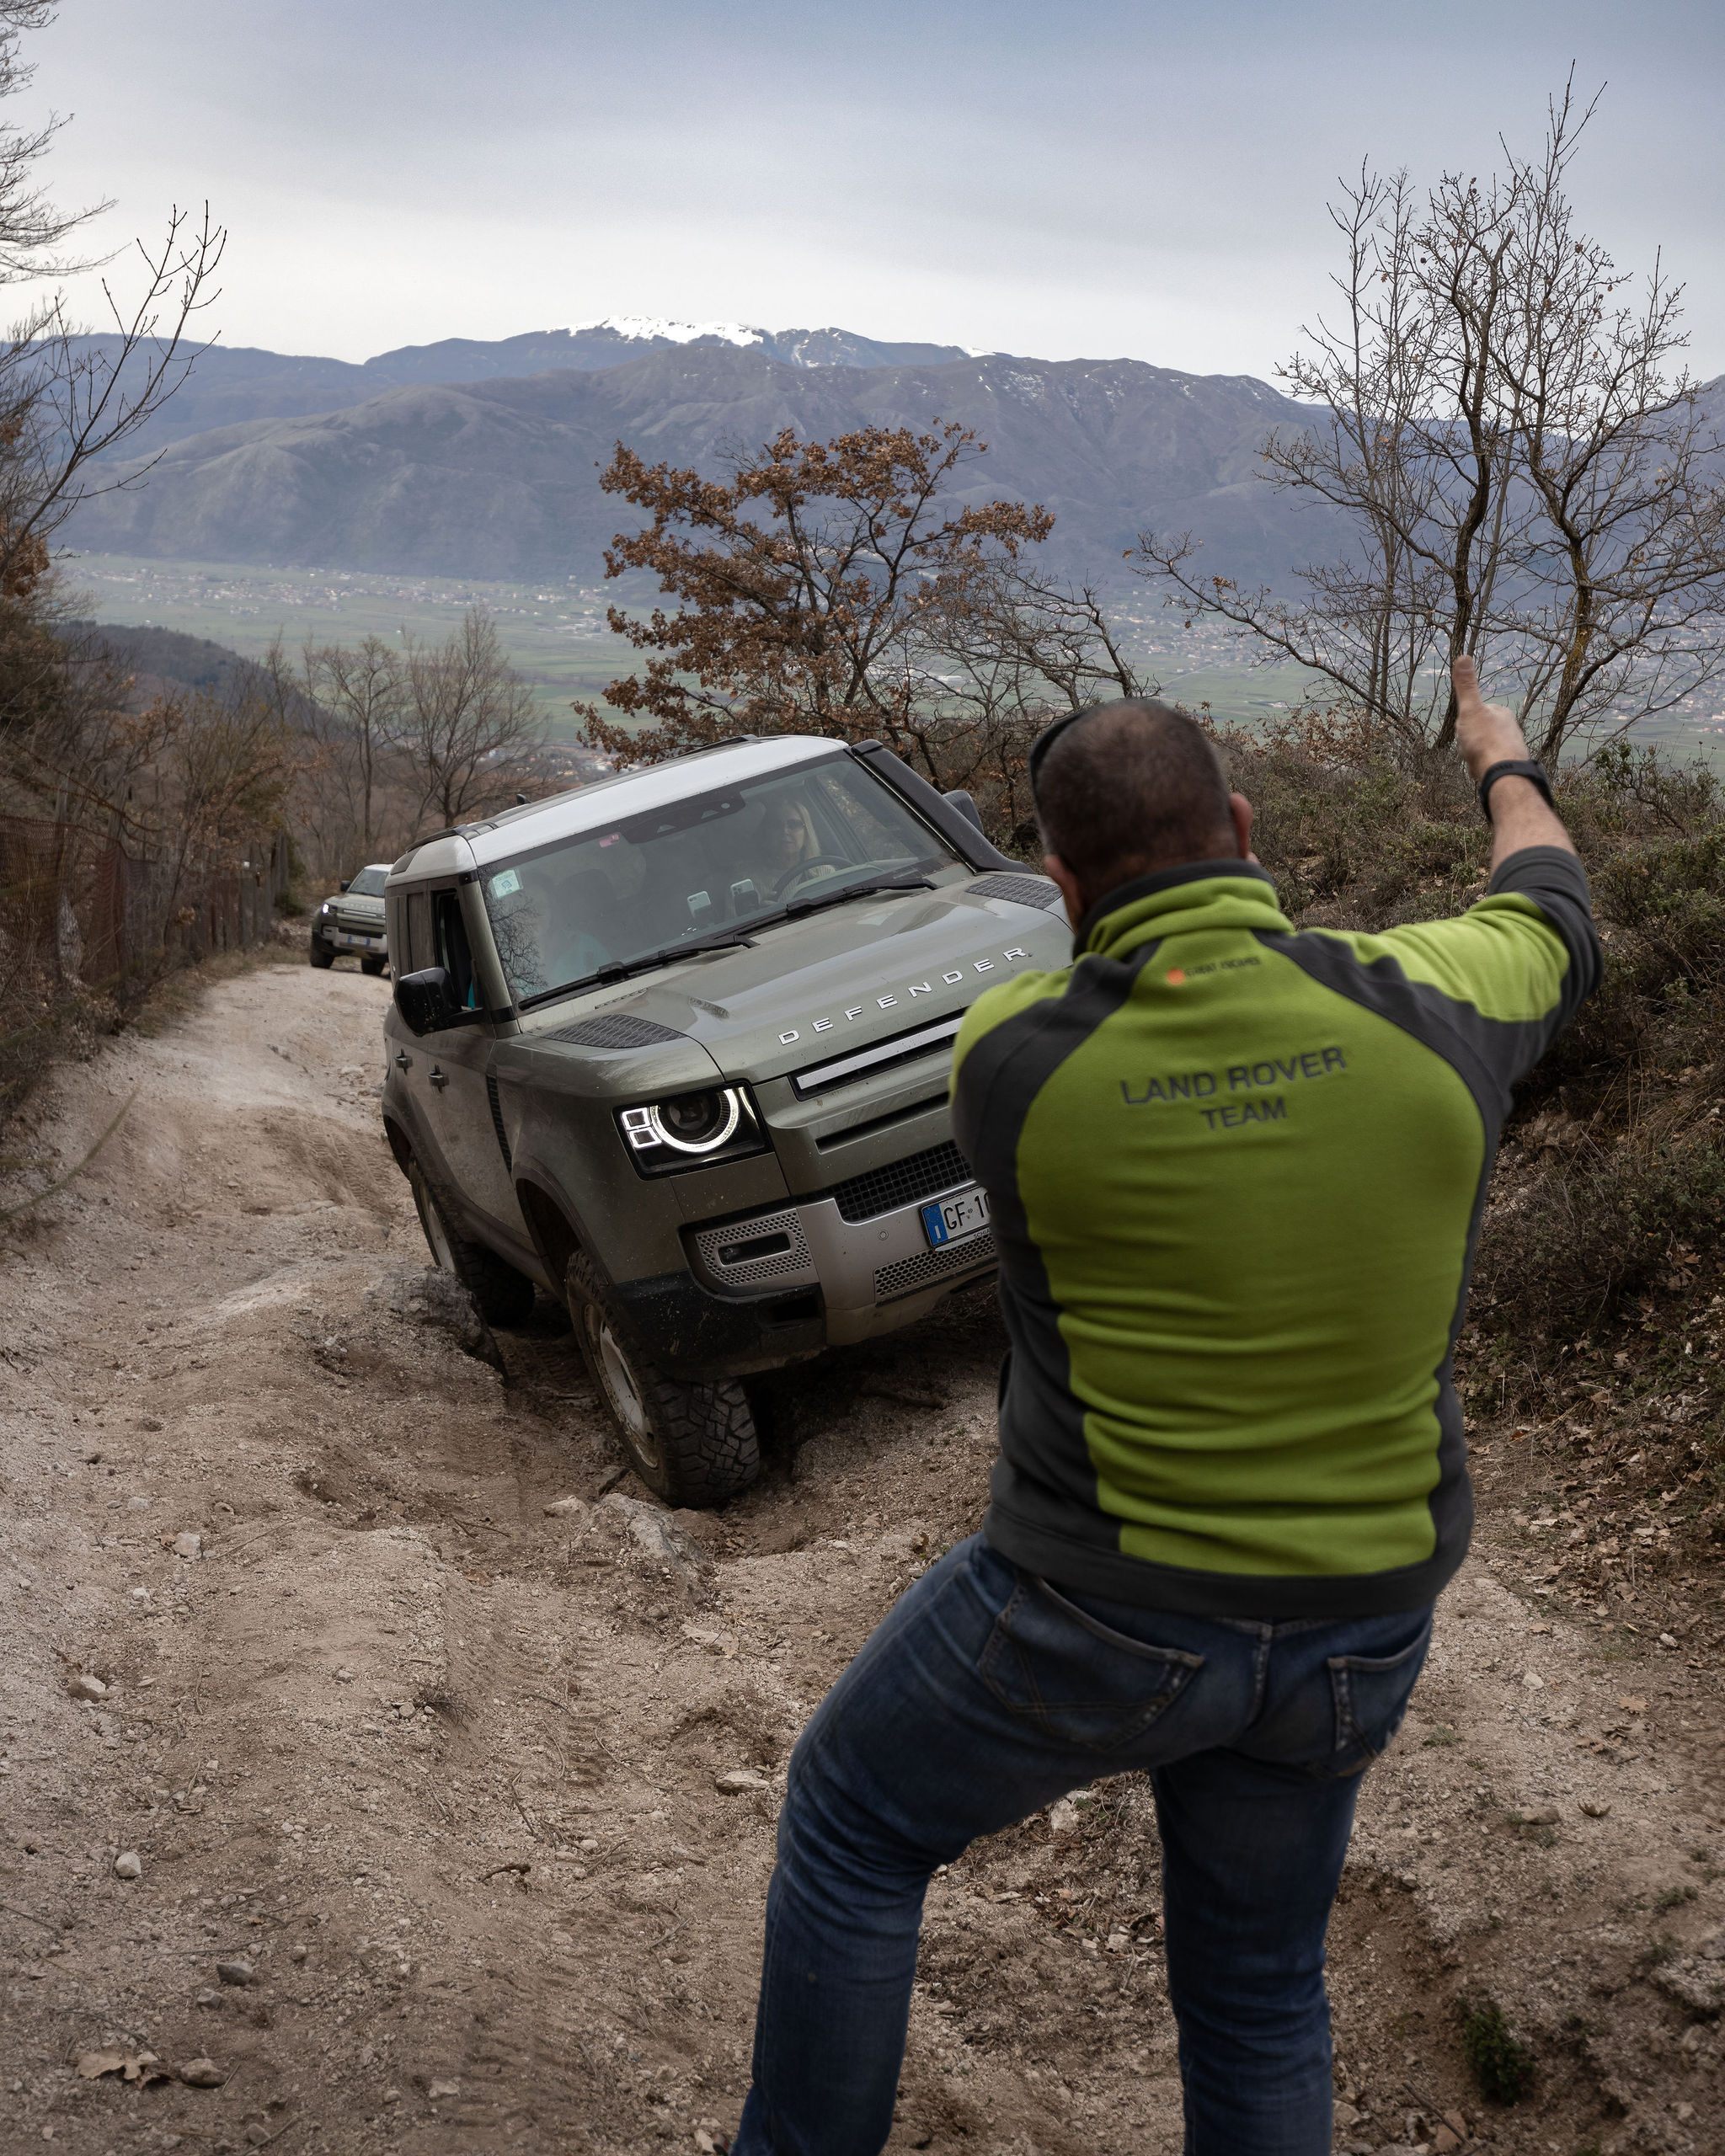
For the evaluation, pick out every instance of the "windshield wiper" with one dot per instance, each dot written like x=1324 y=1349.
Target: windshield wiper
x=622 y=969
x=727 y=939
x=797 y=907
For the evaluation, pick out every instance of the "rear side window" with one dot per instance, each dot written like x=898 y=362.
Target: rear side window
x=419 y=914
x=449 y=937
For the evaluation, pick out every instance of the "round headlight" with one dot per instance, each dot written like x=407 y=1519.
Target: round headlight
x=697 y=1123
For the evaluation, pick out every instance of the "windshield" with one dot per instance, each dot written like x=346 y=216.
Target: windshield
x=731 y=860
x=368 y=884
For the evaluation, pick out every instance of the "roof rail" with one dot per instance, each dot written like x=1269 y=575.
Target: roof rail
x=730 y=741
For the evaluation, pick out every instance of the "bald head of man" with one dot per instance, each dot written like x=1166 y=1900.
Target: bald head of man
x=1130 y=788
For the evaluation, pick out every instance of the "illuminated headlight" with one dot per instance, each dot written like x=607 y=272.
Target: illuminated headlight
x=325 y=907
x=691 y=1129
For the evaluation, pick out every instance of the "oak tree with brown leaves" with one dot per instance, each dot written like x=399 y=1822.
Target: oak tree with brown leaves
x=832 y=588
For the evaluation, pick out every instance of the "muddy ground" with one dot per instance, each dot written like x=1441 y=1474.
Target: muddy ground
x=474 y=1799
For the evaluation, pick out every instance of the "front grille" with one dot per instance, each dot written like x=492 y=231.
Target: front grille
x=934 y=1038
x=1021 y=890
x=497 y=1122
x=769 y=1247
x=929 y=1266
x=615 y=1029
x=901 y=1182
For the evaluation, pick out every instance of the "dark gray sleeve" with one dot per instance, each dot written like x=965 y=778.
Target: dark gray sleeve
x=1556 y=883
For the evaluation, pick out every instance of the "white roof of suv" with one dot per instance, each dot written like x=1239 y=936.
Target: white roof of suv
x=589 y=808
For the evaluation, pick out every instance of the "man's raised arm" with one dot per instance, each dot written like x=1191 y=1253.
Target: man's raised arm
x=1488 y=734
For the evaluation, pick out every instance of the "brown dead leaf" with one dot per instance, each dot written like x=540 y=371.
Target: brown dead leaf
x=135 y=2066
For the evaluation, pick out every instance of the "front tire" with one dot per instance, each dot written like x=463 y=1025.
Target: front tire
x=323 y=959
x=503 y=1296
x=692 y=1444
x=372 y=965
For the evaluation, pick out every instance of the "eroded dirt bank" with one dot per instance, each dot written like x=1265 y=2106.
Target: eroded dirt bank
x=436 y=1773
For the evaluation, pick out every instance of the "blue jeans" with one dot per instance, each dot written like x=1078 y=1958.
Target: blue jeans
x=984 y=1695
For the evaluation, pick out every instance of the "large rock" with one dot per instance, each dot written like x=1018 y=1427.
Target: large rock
x=658 y=1537
x=437 y=1299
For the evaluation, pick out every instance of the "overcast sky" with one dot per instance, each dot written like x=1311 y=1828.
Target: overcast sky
x=1100 y=180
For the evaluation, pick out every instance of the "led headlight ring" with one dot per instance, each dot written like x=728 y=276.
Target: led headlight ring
x=652 y=1119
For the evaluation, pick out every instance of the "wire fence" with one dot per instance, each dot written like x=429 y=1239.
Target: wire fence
x=88 y=924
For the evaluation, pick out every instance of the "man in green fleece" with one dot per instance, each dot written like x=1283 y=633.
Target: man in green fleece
x=1235 y=1173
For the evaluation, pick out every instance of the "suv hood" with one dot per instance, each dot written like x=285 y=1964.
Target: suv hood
x=849 y=976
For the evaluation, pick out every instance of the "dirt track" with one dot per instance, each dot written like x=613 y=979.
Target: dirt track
x=442 y=1766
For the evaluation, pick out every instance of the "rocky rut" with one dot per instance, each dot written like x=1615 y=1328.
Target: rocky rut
x=376 y=1780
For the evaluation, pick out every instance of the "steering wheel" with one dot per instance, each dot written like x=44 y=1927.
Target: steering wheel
x=803 y=868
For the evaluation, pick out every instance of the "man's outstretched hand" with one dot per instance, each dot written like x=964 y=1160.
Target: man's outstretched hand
x=1488 y=734
x=1485 y=733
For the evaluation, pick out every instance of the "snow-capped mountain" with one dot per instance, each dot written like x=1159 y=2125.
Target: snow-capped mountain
x=625 y=336
x=656 y=330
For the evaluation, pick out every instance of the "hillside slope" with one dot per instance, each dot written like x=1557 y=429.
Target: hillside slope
x=481 y=1795
x=499 y=478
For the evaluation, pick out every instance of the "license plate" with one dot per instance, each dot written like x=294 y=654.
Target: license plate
x=360 y=942
x=954 y=1219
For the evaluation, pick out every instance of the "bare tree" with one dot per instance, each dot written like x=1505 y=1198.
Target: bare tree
x=989 y=658
x=1525 y=476
x=66 y=401
x=364 y=690
x=80 y=768
x=467 y=728
x=32 y=228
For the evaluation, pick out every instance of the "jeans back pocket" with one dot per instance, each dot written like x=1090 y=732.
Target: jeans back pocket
x=1370 y=1692
x=1076 y=1678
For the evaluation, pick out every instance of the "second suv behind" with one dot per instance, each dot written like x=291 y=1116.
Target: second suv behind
x=351 y=924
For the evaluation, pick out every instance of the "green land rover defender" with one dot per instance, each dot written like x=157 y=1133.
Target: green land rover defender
x=675 y=1047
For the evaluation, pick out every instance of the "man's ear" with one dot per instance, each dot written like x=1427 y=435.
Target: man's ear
x=1070 y=890
x=1241 y=811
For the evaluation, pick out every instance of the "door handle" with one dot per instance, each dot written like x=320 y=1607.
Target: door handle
x=404 y=1061
x=439 y=1080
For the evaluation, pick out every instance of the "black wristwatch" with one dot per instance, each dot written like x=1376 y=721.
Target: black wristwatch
x=1520 y=767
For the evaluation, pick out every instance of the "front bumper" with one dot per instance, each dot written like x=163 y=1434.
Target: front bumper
x=876 y=1269
x=334 y=935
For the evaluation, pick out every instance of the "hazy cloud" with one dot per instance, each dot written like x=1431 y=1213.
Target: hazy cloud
x=1135 y=180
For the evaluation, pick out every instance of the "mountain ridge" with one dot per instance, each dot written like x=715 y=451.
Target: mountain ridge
x=229 y=384
x=498 y=478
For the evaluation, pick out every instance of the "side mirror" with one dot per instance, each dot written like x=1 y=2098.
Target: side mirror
x=345 y=885
x=424 y=1002
x=964 y=805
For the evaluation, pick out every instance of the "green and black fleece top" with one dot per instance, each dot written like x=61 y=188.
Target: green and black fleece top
x=1237 y=1175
